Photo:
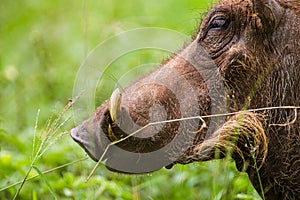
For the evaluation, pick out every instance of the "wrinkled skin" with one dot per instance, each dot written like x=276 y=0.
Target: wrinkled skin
x=255 y=46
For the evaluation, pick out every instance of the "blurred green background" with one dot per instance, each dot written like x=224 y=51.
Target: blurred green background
x=42 y=45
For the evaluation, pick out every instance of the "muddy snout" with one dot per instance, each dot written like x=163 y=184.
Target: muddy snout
x=90 y=136
x=138 y=124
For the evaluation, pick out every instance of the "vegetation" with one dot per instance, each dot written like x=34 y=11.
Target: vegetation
x=43 y=44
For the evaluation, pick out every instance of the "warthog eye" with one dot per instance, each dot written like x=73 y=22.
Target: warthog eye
x=219 y=23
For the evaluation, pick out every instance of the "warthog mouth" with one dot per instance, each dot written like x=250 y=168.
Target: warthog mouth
x=125 y=148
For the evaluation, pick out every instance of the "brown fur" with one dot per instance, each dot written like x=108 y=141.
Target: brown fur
x=256 y=47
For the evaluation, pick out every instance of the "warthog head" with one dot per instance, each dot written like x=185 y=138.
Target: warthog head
x=245 y=56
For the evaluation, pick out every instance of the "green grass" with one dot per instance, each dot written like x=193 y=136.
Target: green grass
x=43 y=44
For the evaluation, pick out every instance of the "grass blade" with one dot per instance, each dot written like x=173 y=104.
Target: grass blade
x=43 y=178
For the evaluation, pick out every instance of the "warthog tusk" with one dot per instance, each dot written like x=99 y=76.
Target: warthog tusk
x=115 y=104
x=111 y=134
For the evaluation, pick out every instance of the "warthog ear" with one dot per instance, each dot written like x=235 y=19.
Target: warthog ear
x=266 y=15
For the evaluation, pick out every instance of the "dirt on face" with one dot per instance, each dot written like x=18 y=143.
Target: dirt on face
x=255 y=46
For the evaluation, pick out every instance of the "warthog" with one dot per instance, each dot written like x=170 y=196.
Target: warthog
x=244 y=58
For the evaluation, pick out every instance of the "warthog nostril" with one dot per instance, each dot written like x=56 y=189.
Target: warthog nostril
x=74 y=134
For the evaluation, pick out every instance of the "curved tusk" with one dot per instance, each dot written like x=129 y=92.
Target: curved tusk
x=115 y=104
x=111 y=134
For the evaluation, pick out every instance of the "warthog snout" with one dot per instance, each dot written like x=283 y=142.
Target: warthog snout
x=151 y=114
